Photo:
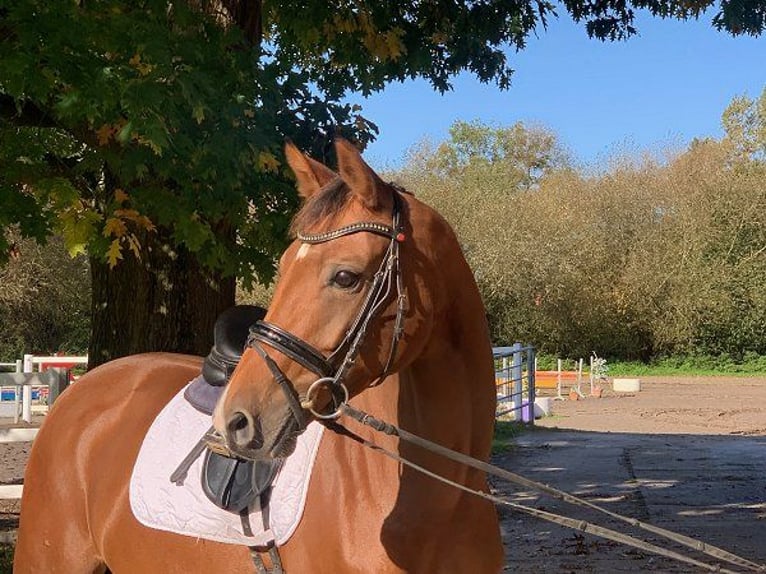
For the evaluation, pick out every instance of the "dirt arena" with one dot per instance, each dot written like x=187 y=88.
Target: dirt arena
x=687 y=454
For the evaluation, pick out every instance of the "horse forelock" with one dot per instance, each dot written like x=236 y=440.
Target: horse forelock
x=327 y=203
x=323 y=205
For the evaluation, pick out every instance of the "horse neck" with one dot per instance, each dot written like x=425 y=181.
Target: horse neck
x=447 y=392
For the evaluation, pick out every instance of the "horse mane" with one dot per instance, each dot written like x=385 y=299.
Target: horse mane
x=324 y=204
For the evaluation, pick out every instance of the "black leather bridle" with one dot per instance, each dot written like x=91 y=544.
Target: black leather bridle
x=333 y=369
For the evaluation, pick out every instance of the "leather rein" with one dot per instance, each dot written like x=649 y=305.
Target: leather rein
x=333 y=369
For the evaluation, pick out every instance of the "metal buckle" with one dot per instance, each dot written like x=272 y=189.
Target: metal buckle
x=334 y=387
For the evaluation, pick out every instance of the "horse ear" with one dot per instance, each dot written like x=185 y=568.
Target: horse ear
x=310 y=175
x=363 y=181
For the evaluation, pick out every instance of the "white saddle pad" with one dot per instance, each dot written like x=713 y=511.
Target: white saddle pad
x=158 y=503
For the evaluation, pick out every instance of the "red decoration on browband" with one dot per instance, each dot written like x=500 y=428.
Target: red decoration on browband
x=400 y=237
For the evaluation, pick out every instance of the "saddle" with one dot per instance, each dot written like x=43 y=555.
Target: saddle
x=232 y=484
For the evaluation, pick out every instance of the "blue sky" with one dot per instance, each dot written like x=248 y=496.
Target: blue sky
x=661 y=88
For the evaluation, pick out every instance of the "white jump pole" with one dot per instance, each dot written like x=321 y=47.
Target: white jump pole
x=26 y=403
x=17 y=394
x=26 y=391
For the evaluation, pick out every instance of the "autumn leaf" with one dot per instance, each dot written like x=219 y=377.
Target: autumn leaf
x=114 y=254
x=114 y=227
x=134 y=245
x=131 y=214
x=104 y=134
x=120 y=196
x=393 y=41
x=142 y=67
x=145 y=222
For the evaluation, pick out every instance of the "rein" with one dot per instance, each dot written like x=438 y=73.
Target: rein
x=584 y=526
x=332 y=370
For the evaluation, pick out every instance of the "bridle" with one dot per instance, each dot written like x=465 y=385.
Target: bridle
x=333 y=369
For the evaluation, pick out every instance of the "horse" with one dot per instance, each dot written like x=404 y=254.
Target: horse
x=375 y=295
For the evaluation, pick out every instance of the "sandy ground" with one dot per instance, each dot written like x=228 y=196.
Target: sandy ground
x=670 y=405
x=688 y=454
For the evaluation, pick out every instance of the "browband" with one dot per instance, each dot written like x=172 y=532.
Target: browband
x=367 y=226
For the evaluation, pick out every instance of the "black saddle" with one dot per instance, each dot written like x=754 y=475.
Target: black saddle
x=230 y=483
x=229 y=339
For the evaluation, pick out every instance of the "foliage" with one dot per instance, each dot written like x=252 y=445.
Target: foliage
x=6 y=559
x=44 y=300
x=256 y=295
x=122 y=118
x=119 y=118
x=749 y=364
x=644 y=259
x=476 y=153
x=137 y=127
x=598 y=367
x=505 y=431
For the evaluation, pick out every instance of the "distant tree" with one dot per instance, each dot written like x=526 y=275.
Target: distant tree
x=44 y=300
x=698 y=278
x=518 y=153
x=149 y=133
x=744 y=122
x=641 y=259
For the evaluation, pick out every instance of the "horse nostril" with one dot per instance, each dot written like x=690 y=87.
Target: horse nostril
x=243 y=431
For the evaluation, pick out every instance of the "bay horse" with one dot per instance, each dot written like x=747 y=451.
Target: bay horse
x=416 y=353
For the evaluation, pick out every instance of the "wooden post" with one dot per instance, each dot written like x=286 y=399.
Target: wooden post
x=531 y=365
x=59 y=382
x=56 y=379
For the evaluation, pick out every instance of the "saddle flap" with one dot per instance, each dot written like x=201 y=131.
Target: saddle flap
x=234 y=484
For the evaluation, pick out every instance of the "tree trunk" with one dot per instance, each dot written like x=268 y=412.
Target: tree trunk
x=165 y=302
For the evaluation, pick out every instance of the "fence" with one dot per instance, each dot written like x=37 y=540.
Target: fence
x=515 y=380
x=35 y=378
x=55 y=380
x=13 y=491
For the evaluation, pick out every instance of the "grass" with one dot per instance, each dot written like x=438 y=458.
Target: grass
x=683 y=365
x=6 y=559
x=504 y=432
x=750 y=364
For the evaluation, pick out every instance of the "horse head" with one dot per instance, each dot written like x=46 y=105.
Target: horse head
x=342 y=317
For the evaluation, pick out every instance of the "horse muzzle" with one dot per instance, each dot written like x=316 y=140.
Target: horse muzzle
x=257 y=438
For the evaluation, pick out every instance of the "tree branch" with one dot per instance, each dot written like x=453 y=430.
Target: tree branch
x=23 y=113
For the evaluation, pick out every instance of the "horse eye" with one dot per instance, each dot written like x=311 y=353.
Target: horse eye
x=346 y=279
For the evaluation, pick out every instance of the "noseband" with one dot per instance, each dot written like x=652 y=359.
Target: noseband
x=333 y=369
